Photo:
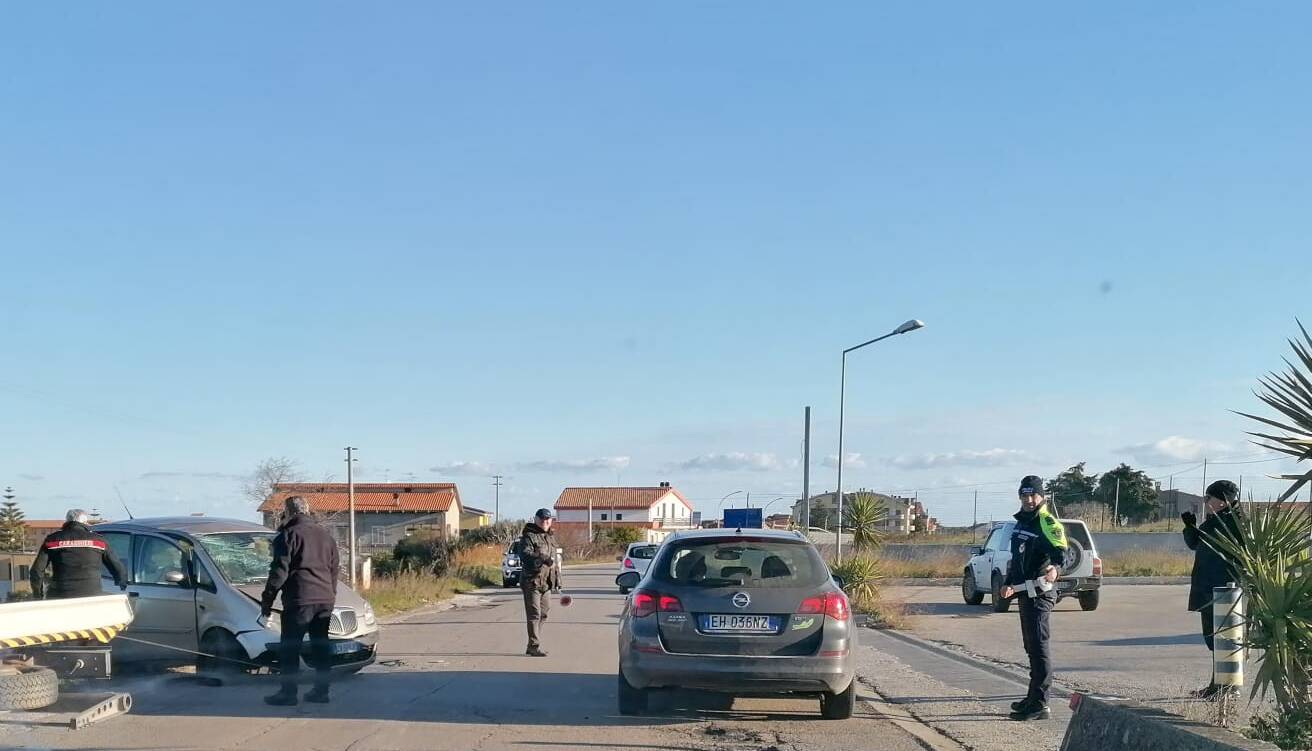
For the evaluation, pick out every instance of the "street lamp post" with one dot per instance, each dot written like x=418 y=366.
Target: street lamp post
x=907 y=327
x=720 y=505
x=767 y=506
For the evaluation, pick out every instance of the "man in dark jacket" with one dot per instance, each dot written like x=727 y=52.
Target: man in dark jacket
x=538 y=576
x=304 y=569
x=1211 y=568
x=1038 y=550
x=77 y=556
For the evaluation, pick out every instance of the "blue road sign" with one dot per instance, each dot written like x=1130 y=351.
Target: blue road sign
x=743 y=518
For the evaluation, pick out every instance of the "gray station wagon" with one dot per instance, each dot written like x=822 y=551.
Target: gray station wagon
x=749 y=612
x=195 y=584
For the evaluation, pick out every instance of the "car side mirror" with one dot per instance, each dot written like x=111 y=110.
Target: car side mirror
x=175 y=577
x=840 y=581
x=628 y=580
x=977 y=551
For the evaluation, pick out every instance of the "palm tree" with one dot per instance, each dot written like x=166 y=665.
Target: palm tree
x=865 y=519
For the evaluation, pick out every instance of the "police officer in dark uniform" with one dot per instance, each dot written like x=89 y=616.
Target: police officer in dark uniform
x=77 y=556
x=539 y=575
x=1211 y=568
x=1038 y=550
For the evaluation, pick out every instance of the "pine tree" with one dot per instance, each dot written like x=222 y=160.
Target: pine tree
x=13 y=533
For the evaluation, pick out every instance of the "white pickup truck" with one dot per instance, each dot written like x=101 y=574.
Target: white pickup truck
x=42 y=640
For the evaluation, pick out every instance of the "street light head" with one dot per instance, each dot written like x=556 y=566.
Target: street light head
x=909 y=326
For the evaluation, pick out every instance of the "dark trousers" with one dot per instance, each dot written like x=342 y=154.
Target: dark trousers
x=1034 y=631
x=1207 y=613
x=536 y=605
x=296 y=623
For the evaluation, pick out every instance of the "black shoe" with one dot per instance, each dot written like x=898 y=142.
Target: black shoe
x=1035 y=711
x=1017 y=706
x=535 y=652
x=318 y=696
x=281 y=699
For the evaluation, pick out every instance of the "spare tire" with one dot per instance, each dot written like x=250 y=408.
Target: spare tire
x=28 y=689
x=1074 y=557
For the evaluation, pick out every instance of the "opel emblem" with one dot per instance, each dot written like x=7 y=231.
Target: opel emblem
x=742 y=600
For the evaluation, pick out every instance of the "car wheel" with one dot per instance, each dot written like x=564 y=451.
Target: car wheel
x=631 y=700
x=839 y=706
x=1089 y=600
x=971 y=595
x=1000 y=603
x=36 y=688
x=223 y=657
x=1074 y=557
x=507 y=583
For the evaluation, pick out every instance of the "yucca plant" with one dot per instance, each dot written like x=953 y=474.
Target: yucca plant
x=1271 y=556
x=860 y=575
x=1290 y=393
x=865 y=517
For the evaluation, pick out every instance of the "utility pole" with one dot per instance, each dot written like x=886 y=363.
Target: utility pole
x=350 y=500
x=496 y=510
x=806 y=475
x=1116 y=513
x=1204 y=476
x=749 y=499
x=974 y=519
x=590 y=538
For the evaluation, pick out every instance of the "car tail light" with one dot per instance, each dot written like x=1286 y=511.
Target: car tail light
x=647 y=603
x=1097 y=567
x=644 y=604
x=833 y=604
x=628 y=563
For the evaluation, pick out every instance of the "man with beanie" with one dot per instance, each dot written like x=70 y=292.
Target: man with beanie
x=1211 y=568
x=304 y=569
x=537 y=555
x=1038 y=550
x=77 y=555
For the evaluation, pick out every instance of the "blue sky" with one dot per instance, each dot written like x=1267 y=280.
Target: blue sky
x=586 y=244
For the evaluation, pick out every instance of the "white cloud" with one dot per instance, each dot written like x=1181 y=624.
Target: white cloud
x=462 y=468
x=851 y=461
x=996 y=457
x=189 y=475
x=1174 y=449
x=733 y=461
x=599 y=464
x=32 y=478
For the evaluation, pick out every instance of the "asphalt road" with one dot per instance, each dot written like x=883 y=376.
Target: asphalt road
x=458 y=679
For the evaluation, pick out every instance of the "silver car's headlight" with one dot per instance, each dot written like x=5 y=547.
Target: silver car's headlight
x=369 y=618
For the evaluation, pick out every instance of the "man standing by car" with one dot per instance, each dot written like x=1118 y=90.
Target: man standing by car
x=304 y=569
x=537 y=556
x=77 y=555
x=1211 y=569
x=1038 y=550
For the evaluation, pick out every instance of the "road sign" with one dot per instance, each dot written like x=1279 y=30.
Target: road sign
x=742 y=518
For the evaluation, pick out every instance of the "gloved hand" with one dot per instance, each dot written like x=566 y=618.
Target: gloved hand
x=1189 y=519
x=122 y=587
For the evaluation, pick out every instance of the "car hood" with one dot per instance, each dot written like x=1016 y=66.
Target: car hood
x=346 y=597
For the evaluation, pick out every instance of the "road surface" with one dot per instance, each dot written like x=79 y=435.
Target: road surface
x=458 y=680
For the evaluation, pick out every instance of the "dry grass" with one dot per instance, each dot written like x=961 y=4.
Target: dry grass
x=884 y=613
x=937 y=567
x=1148 y=563
x=481 y=555
x=407 y=591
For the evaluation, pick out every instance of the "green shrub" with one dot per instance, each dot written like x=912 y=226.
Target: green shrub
x=623 y=535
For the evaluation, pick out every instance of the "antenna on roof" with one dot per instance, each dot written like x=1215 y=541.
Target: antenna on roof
x=125 y=503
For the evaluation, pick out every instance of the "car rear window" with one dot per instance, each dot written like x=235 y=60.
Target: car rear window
x=740 y=562
x=1079 y=533
x=646 y=552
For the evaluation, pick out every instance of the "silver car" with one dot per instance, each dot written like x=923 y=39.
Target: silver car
x=747 y=612
x=195 y=584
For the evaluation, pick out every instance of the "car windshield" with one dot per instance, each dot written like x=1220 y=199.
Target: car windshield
x=646 y=552
x=242 y=557
x=741 y=562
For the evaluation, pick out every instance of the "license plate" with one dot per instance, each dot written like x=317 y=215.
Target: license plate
x=739 y=624
x=346 y=647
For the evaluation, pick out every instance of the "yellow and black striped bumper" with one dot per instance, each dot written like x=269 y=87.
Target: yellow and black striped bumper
x=102 y=635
